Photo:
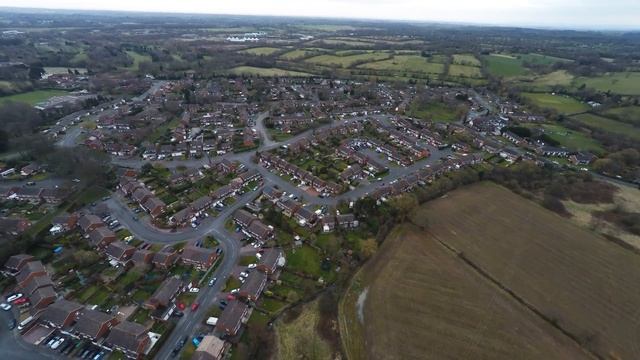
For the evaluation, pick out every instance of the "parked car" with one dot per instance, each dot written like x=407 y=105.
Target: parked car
x=244 y=274
x=5 y=306
x=20 y=301
x=14 y=297
x=178 y=313
x=252 y=266
x=195 y=306
x=31 y=183
x=57 y=344
x=12 y=324
x=212 y=281
x=194 y=290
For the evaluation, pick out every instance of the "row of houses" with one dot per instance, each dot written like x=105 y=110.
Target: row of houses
x=238 y=311
x=272 y=161
x=37 y=195
x=252 y=226
x=143 y=196
x=425 y=175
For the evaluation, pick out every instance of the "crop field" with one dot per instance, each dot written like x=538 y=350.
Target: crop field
x=609 y=125
x=464 y=71
x=256 y=71
x=571 y=139
x=580 y=282
x=33 y=97
x=559 y=103
x=505 y=65
x=627 y=83
x=422 y=302
x=630 y=114
x=405 y=63
x=347 y=60
x=466 y=59
x=260 y=51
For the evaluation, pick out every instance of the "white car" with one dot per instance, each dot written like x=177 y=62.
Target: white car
x=251 y=266
x=235 y=291
x=5 y=306
x=52 y=341
x=243 y=274
x=194 y=290
x=14 y=297
x=57 y=344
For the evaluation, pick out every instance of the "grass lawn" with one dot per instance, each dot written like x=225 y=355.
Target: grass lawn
x=405 y=63
x=464 y=71
x=232 y=283
x=609 y=125
x=260 y=51
x=571 y=139
x=556 y=78
x=140 y=316
x=299 y=338
x=435 y=111
x=304 y=259
x=559 y=103
x=137 y=59
x=624 y=83
x=127 y=279
x=272 y=305
x=540 y=59
x=347 y=60
x=256 y=71
x=466 y=59
x=628 y=114
x=505 y=65
x=33 y=97
x=297 y=54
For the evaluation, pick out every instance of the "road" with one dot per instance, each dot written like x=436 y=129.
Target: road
x=13 y=347
x=265 y=138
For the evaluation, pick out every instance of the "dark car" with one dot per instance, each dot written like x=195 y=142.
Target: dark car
x=178 y=313
x=12 y=324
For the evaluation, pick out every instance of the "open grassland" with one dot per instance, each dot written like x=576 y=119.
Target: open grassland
x=436 y=111
x=63 y=70
x=571 y=139
x=466 y=59
x=540 y=59
x=298 y=54
x=559 y=103
x=422 y=302
x=325 y=27
x=626 y=83
x=405 y=63
x=505 y=65
x=609 y=125
x=33 y=97
x=260 y=51
x=629 y=114
x=299 y=338
x=355 y=43
x=347 y=60
x=464 y=71
x=556 y=78
x=256 y=71
x=580 y=282
x=137 y=59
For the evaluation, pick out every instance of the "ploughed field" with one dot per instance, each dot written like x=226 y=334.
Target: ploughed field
x=578 y=281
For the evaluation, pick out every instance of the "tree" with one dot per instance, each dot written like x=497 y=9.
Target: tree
x=404 y=205
x=368 y=247
x=4 y=141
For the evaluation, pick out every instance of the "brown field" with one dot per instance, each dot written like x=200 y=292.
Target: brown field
x=425 y=303
x=579 y=281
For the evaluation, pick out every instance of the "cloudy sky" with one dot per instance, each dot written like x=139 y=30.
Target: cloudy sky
x=596 y=14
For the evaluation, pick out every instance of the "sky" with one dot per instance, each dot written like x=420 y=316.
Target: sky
x=578 y=14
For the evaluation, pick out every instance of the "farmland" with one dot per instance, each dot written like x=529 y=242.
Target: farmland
x=629 y=114
x=505 y=65
x=251 y=70
x=261 y=51
x=556 y=78
x=609 y=125
x=347 y=60
x=33 y=97
x=559 y=103
x=466 y=59
x=464 y=71
x=627 y=83
x=298 y=54
x=416 y=286
x=580 y=282
x=405 y=63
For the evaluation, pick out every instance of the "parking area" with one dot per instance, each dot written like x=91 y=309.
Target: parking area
x=64 y=344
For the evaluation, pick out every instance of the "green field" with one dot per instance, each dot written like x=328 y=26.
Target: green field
x=405 y=63
x=540 y=59
x=556 y=78
x=325 y=27
x=628 y=114
x=256 y=71
x=435 y=111
x=466 y=59
x=298 y=54
x=559 y=103
x=137 y=59
x=260 y=51
x=464 y=71
x=627 y=83
x=63 y=70
x=355 y=43
x=505 y=65
x=609 y=125
x=570 y=139
x=348 y=60
x=33 y=97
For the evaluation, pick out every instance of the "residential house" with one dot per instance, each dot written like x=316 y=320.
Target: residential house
x=232 y=318
x=94 y=324
x=119 y=251
x=65 y=222
x=270 y=261
x=17 y=262
x=165 y=259
x=165 y=293
x=142 y=257
x=141 y=195
x=130 y=338
x=305 y=217
x=61 y=314
x=42 y=297
x=13 y=226
x=154 y=206
x=200 y=258
x=259 y=231
x=30 y=271
x=36 y=283
x=210 y=348
x=244 y=218
x=253 y=286
x=272 y=193
x=89 y=223
x=102 y=237
x=582 y=158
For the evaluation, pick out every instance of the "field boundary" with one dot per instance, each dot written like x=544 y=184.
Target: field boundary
x=484 y=274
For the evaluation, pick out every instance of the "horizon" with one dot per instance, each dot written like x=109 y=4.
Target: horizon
x=463 y=20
